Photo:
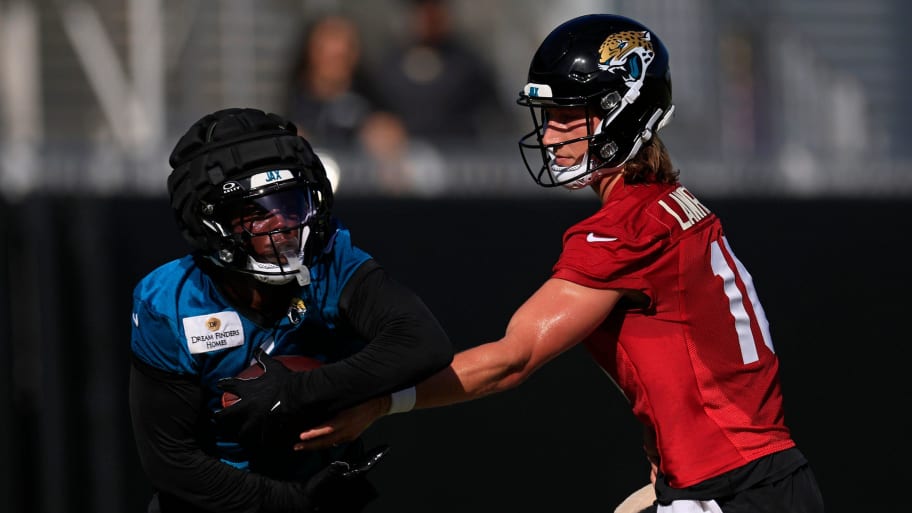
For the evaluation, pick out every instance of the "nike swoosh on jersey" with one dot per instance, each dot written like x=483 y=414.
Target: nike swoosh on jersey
x=595 y=238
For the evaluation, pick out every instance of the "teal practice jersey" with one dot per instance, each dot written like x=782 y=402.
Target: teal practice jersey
x=181 y=324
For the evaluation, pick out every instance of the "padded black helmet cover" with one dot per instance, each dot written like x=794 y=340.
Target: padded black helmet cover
x=229 y=144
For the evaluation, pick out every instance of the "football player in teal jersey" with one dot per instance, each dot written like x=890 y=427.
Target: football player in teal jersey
x=271 y=272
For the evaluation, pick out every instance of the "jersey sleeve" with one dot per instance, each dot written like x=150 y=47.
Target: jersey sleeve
x=609 y=258
x=156 y=338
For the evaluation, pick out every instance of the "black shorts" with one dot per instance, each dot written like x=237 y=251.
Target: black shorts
x=795 y=493
x=776 y=483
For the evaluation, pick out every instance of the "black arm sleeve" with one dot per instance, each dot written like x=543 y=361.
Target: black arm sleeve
x=406 y=345
x=165 y=410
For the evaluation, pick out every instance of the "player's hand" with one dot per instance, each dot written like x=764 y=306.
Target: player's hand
x=342 y=486
x=345 y=426
x=259 y=411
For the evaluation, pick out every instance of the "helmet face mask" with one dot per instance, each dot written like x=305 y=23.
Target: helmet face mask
x=612 y=69
x=250 y=195
x=550 y=173
x=265 y=231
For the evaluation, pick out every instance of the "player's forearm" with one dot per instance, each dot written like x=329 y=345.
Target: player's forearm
x=474 y=373
x=194 y=478
x=407 y=344
x=164 y=412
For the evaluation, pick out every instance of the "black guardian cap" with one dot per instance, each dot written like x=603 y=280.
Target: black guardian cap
x=246 y=160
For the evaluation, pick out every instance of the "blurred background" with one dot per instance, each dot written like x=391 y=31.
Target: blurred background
x=797 y=97
x=791 y=123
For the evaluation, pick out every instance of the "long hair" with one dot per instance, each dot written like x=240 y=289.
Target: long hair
x=652 y=164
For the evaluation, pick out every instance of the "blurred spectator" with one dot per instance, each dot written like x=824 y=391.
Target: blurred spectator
x=329 y=98
x=334 y=105
x=399 y=164
x=440 y=88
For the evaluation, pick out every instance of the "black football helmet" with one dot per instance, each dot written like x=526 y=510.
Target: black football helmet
x=617 y=70
x=243 y=179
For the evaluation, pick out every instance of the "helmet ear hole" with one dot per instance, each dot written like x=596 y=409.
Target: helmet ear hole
x=226 y=255
x=610 y=101
x=608 y=150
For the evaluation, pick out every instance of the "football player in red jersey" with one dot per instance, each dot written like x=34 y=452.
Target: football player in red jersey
x=648 y=282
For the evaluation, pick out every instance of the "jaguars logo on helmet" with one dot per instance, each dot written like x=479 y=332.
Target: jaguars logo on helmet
x=617 y=48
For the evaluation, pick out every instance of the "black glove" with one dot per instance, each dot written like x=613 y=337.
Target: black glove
x=259 y=416
x=342 y=487
x=257 y=396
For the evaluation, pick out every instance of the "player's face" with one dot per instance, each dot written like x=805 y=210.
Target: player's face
x=272 y=234
x=568 y=124
x=256 y=221
x=272 y=225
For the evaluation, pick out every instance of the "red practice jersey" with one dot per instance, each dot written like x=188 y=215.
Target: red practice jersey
x=697 y=363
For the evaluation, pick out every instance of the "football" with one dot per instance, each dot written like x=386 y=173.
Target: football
x=293 y=362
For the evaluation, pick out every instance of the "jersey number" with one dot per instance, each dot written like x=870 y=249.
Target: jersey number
x=724 y=270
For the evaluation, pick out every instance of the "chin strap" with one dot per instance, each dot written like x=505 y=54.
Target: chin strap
x=303 y=276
